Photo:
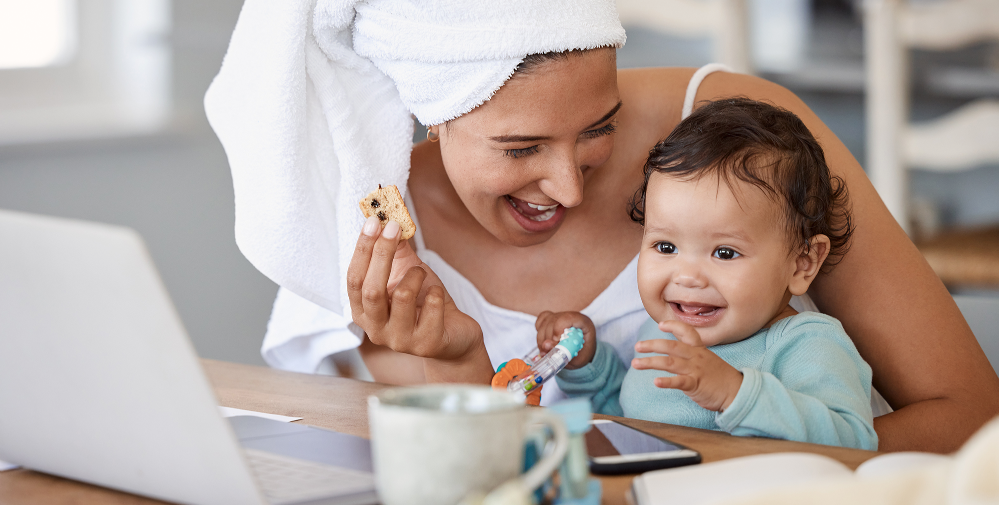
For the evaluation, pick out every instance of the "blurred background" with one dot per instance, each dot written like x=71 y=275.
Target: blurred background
x=101 y=119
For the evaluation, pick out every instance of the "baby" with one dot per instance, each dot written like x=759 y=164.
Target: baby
x=740 y=213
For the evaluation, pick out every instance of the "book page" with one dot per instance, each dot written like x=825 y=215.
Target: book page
x=895 y=462
x=722 y=480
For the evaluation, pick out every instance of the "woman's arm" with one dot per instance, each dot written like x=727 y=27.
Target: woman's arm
x=925 y=359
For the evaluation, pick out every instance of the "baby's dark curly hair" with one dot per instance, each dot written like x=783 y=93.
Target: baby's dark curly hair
x=768 y=147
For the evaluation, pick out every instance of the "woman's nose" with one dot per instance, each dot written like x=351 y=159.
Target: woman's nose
x=563 y=180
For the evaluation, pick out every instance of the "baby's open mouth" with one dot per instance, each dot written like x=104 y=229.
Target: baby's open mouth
x=694 y=309
x=532 y=211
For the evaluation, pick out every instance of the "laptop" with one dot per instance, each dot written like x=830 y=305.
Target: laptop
x=99 y=383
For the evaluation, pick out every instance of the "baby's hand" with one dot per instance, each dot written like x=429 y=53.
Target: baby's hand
x=700 y=374
x=550 y=327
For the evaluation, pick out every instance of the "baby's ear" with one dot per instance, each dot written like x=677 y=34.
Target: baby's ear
x=808 y=263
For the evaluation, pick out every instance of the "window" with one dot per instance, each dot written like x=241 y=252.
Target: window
x=82 y=69
x=39 y=33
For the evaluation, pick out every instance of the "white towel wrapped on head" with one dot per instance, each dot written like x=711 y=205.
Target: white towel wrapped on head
x=313 y=104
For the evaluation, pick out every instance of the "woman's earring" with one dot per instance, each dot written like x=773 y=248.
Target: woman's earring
x=431 y=136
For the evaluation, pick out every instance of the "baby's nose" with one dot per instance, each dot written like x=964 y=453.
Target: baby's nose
x=689 y=276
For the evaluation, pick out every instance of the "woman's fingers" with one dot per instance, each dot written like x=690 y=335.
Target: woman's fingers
x=404 y=308
x=405 y=258
x=359 y=262
x=374 y=292
x=402 y=314
x=430 y=324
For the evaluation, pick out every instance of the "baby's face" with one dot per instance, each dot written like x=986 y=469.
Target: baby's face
x=710 y=260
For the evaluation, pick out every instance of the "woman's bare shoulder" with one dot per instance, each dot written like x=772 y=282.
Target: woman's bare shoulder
x=661 y=78
x=654 y=94
x=721 y=85
x=652 y=100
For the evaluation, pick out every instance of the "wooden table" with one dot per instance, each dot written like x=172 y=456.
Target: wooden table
x=341 y=405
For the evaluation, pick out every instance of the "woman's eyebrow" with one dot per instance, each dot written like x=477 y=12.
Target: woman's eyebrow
x=518 y=138
x=606 y=116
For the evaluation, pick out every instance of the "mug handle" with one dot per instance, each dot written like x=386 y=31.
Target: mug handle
x=519 y=491
x=543 y=469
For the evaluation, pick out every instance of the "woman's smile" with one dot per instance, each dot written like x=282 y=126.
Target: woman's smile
x=535 y=217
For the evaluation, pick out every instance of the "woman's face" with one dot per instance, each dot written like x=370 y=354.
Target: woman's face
x=520 y=160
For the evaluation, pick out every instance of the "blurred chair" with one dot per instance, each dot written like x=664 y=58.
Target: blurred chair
x=723 y=21
x=982 y=314
x=963 y=139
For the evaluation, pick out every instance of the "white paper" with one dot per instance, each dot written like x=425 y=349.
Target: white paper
x=232 y=412
x=7 y=466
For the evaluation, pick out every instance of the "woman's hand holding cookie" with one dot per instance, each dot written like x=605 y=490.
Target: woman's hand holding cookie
x=402 y=304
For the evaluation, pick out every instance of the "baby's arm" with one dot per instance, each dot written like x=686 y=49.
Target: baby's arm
x=595 y=373
x=818 y=390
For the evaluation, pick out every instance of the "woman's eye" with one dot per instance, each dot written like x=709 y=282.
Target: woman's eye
x=665 y=248
x=725 y=253
x=600 y=132
x=517 y=153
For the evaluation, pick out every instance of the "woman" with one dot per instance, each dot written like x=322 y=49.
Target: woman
x=521 y=207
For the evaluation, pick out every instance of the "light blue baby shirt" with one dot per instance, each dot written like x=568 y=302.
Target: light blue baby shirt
x=803 y=380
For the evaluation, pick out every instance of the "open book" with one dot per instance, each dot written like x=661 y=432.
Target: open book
x=716 y=482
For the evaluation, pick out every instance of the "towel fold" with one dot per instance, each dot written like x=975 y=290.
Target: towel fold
x=313 y=103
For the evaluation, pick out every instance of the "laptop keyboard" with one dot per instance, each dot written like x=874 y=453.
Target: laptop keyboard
x=288 y=480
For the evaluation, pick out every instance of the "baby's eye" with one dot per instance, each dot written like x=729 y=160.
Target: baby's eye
x=665 y=247
x=517 y=153
x=726 y=253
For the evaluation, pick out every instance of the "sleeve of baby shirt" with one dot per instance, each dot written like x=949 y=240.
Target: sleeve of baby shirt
x=600 y=381
x=818 y=390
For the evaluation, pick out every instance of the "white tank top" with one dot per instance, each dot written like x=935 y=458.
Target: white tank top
x=617 y=312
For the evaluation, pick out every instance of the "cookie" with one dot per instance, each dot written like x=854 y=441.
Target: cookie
x=387 y=203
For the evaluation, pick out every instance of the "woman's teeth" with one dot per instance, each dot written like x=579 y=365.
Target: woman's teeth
x=543 y=217
x=542 y=207
x=549 y=210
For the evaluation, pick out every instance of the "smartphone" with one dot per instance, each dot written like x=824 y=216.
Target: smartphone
x=615 y=448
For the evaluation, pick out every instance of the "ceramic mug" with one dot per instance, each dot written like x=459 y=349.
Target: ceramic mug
x=435 y=445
